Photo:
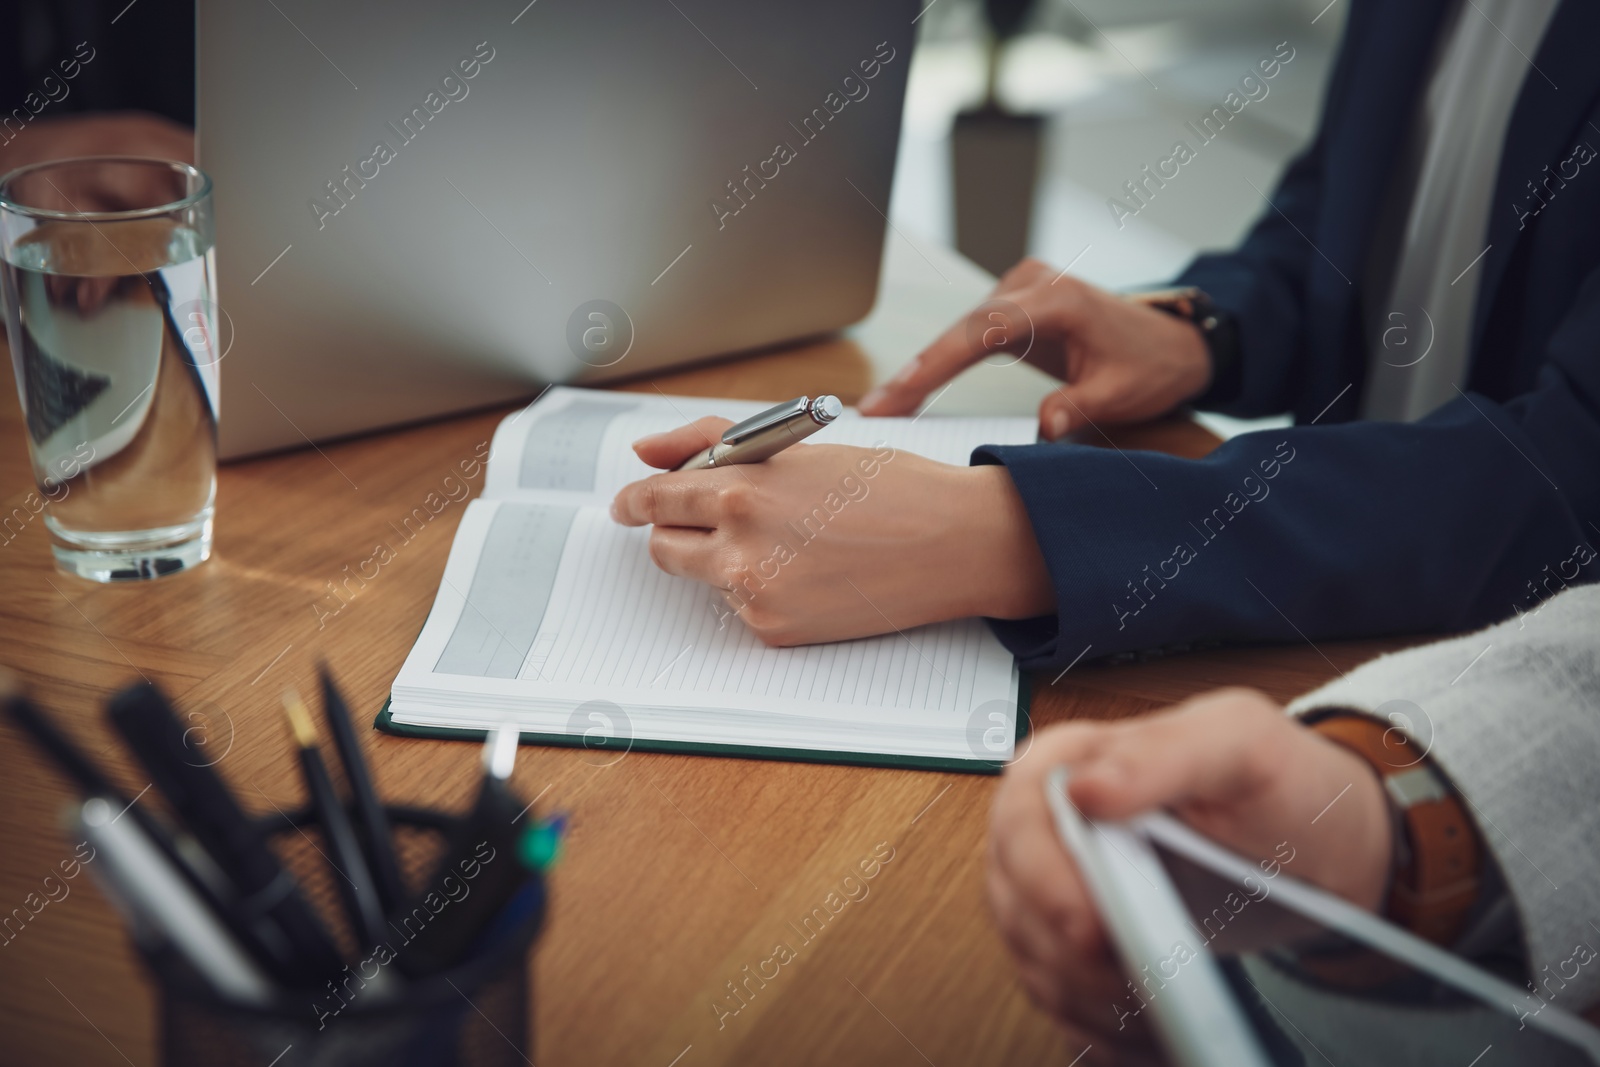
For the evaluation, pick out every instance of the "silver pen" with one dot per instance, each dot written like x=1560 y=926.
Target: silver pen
x=161 y=903
x=765 y=435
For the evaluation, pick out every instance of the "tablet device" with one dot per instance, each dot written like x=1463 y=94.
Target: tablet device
x=1238 y=964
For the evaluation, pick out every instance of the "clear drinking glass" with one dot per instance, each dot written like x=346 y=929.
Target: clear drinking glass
x=109 y=285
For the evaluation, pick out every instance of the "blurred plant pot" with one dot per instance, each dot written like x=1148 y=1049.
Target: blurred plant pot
x=995 y=161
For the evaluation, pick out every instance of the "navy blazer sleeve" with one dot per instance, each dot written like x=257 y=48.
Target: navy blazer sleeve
x=1263 y=281
x=1477 y=512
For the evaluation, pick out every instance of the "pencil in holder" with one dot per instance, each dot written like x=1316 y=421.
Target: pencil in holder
x=476 y=1013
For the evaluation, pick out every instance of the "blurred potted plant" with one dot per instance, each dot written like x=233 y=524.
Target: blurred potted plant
x=995 y=156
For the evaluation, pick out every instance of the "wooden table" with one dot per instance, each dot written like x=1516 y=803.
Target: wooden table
x=679 y=871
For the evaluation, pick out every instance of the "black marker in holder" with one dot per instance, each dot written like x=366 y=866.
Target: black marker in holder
x=475 y=1014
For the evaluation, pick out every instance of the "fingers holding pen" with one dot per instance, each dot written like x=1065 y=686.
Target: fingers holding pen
x=703 y=499
x=670 y=449
x=687 y=498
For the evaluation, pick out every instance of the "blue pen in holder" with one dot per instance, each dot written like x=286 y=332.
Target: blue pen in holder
x=478 y=1013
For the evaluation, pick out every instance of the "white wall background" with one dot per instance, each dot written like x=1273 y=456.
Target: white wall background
x=1118 y=79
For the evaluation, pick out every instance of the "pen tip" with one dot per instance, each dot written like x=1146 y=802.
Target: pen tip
x=332 y=700
x=305 y=734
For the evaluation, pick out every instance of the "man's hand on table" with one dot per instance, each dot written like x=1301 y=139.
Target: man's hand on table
x=1119 y=361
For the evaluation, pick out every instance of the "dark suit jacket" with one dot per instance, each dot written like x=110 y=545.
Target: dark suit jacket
x=143 y=59
x=1345 y=528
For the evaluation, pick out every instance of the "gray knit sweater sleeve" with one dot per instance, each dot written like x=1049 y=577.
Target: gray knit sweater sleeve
x=1511 y=715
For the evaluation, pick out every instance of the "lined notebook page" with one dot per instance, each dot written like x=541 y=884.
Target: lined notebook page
x=580 y=441
x=608 y=621
x=617 y=621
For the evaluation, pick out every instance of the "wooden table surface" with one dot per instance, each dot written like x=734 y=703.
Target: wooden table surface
x=679 y=871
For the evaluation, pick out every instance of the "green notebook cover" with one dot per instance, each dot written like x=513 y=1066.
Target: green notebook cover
x=385 y=723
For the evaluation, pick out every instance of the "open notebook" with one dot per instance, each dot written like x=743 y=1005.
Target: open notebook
x=553 y=616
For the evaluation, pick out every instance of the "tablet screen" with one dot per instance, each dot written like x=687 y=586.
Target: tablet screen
x=1316 y=997
x=1232 y=962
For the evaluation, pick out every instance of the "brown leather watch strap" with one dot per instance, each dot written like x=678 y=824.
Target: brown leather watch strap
x=1436 y=878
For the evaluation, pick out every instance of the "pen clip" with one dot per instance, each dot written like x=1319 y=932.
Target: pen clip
x=773 y=416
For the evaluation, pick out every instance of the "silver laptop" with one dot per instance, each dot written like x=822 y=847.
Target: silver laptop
x=429 y=207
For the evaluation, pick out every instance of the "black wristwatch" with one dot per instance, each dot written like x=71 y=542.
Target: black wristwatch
x=1217 y=328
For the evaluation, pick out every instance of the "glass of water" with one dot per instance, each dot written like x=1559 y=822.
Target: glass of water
x=109 y=286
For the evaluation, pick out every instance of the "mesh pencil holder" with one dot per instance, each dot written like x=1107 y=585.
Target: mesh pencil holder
x=476 y=1014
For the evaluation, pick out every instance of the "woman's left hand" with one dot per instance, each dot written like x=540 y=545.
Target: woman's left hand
x=1234 y=767
x=828 y=542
